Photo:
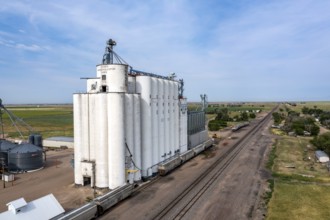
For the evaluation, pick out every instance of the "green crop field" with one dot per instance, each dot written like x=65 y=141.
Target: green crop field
x=55 y=120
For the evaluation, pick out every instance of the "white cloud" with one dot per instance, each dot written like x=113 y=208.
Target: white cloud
x=255 y=45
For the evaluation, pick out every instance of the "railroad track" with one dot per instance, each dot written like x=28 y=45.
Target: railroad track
x=178 y=207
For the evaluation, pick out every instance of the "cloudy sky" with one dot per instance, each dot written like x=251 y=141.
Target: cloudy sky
x=231 y=50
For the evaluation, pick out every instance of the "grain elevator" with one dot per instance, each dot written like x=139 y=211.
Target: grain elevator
x=127 y=123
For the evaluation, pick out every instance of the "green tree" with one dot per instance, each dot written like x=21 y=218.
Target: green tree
x=213 y=125
x=244 y=116
x=252 y=115
x=322 y=142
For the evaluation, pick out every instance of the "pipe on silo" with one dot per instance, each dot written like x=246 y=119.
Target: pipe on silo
x=154 y=118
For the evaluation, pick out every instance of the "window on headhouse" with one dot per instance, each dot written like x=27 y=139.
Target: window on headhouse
x=104 y=77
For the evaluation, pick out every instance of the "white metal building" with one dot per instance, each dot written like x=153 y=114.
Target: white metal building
x=44 y=208
x=58 y=142
x=126 y=123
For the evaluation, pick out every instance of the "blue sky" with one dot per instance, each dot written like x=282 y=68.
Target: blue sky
x=231 y=50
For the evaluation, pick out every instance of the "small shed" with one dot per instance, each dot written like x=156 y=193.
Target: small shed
x=321 y=156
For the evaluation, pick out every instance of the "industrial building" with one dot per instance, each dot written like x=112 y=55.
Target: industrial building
x=128 y=123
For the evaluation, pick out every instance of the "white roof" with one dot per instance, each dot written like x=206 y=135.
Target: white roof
x=60 y=138
x=16 y=204
x=46 y=207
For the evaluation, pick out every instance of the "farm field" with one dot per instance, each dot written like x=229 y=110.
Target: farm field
x=48 y=120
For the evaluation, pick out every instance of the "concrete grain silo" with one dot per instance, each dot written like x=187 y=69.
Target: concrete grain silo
x=126 y=124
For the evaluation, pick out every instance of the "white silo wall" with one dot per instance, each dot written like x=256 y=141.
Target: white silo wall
x=143 y=86
x=101 y=165
x=85 y=127
x=78 y=134
x=116 y=139
x=93 y=128
x=154 y=118
x=115 y=77
x=161 y=124
x=171 y=116
x=176 y=116
x=183 y=139
x=129 y=134
x=131 y=84
x=167 y=119
x=93 y=85
x=137 y=137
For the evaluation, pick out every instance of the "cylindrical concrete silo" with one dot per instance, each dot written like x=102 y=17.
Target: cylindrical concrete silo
x=101 y=162
x=93 y=113
x=78 y=135
x=167 y=119
x=116 y=139
x=161 y=124
x=183 y=139
x=131 y=84
x=137 y=137
x=154 y=118
x=113 y=76
x=129 y=134
x=176 y=117
x=85 y=144
x=171 y=117
x=143 y=86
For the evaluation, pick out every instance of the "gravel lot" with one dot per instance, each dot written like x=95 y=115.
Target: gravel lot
x=56 y=177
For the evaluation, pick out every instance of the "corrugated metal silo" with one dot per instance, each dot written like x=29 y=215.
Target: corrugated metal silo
x=37 y=140
x=25 y=157
x=116 y=139
x=5 y=146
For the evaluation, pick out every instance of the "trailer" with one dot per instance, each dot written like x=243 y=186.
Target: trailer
x=321 y=156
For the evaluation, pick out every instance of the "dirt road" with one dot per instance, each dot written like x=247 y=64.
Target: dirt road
x=233 y=196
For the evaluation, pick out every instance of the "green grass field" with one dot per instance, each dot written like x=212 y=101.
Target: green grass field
x=46 y=120
x=301 y=185
x=296 y=201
